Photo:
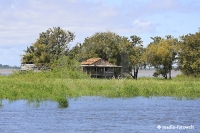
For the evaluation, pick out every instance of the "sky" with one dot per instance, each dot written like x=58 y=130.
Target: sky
x=21 y=21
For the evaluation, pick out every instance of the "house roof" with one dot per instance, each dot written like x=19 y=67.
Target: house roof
x=97 y=62
x=90 y=61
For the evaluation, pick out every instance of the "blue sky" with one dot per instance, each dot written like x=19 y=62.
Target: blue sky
x=21 y=21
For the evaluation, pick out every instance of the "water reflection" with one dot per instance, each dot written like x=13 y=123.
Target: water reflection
x=97 y=114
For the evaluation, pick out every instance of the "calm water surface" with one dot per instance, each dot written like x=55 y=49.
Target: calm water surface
x=97 y=114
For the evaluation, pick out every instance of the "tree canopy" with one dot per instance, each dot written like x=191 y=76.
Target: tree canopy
x=189 y=54
x=109 y=46
x=161 y=54
x=49 y=47
x=119 y=50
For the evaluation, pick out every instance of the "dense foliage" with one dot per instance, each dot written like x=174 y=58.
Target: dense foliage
x=63 y=68
x=109 y=46
x=49 y=47
x=161 y=54
x=189 y=54
x=68 y=68
x=52 y=46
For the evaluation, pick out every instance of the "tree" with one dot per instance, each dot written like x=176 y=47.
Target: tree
x=106 y=45
x=49 y=47
x=144 y=59
x=76 y=52
x=135 y=40
x=161 y=55
x=136 y=53
x=189 y=54
x=109 y=46
x=156 y=39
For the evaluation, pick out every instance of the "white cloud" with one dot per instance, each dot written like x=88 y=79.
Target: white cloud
x=143 y=26
x=21 y=21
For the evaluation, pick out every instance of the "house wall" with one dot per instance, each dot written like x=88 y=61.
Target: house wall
x=100 y=68
x=99 y=71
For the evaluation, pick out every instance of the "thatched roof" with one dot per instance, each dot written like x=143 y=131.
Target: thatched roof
x=97 y=62
x=90 y=61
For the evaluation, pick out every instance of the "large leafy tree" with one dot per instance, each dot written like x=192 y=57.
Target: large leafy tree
x=106 y=45
x=49 y=47
x=189 y=54
x=161 y=54
x=116 y=49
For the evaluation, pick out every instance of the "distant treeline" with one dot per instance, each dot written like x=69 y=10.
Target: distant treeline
x=7 y=66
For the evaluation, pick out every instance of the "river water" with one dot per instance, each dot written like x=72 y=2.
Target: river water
x=102 y=115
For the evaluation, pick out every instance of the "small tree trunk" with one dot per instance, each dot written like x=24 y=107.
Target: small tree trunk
x=165 y=76
x=170 y=77
x=136 y=73
x=170 y=68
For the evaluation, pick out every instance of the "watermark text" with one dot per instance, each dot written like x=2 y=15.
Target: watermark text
x=179 y=127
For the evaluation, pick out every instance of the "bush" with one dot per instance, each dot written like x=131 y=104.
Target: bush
x=64 y=68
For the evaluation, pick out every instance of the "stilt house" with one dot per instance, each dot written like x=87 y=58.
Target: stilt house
x=99 y=68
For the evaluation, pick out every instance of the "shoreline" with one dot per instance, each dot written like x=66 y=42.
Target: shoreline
x=141 y=73
x=7 y=71
x=149 y=73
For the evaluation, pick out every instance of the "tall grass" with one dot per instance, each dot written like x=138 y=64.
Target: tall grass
x=49 y=86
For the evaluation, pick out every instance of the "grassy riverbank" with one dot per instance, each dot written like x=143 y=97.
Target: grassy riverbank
x=43 y=86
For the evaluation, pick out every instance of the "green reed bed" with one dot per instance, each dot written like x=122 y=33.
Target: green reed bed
x=46 y=86
x=131 y=88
